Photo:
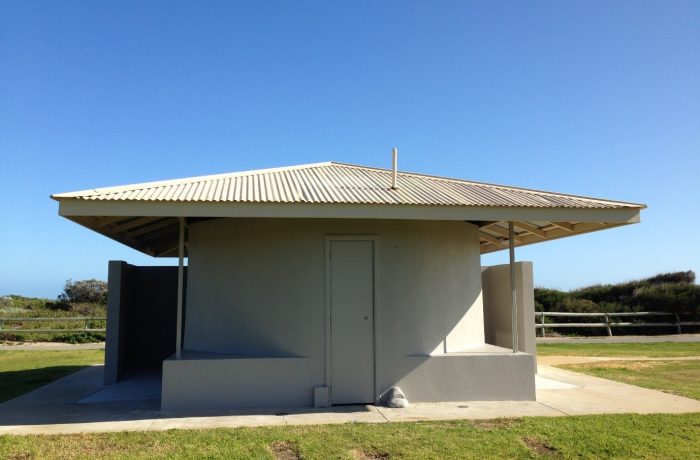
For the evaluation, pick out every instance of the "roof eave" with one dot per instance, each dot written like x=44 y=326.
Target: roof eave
x=151 y=227
x=78 y=207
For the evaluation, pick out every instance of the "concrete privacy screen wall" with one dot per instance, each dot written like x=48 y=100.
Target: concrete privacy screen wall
x=498 y=320
x=141 y=318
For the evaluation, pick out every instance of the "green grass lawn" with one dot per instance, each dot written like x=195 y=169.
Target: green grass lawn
x=25 y=370
x=651 y=350
x=677 y=377
x=658 y=436
x=598 y=436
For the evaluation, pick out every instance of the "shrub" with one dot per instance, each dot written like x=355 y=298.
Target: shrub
x=580 y=306
x=677 y=277
x=668 y=292
x=674 y=298
x=549 y=299
x=26 y=303
x=87 y=291
x=58 y=305
x=89 y=309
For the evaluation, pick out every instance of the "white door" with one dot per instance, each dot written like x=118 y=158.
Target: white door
x=352 y=321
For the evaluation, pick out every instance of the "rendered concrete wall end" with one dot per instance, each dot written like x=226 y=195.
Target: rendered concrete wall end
x=115 y=299
x=469 y=377
x=495 y=281
x=222 y=384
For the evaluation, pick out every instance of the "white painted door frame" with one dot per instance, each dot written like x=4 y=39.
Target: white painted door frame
x=376 y=310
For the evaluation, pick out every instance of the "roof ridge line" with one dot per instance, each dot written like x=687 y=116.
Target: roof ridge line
x=204 y=178
x=185 y=180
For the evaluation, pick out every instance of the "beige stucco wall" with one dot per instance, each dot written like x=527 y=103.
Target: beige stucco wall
x=256 y=287
x=256 y=299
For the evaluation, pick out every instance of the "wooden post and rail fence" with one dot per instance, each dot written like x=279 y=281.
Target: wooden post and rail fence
x=610 y=320
x=14 y=325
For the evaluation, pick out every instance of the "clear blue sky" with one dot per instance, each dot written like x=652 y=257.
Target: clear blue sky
x=593 y=97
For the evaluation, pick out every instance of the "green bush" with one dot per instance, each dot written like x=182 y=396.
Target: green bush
x=580 y=305
x=89 y=309
x=667 y=292
x=86 y=291
x=8 y=332
x=26 y=303
x=58 y=306
x=677 y=277
x=549 y=299
x=674 y=298
x=79 y=299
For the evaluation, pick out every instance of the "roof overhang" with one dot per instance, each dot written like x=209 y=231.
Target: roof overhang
x=152 y=226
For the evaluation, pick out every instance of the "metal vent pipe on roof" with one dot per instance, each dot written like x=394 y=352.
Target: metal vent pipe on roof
x=395 y=161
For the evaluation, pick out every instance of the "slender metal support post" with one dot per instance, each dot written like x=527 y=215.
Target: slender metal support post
x=180 y=275
x=514 y=296
x=678 y=324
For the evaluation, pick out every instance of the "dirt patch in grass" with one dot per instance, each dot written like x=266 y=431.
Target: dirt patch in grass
x=629 y=365
x=496 y=423
x=283 y=450
x=362 y=454
x=21 y=456
x=541 y=448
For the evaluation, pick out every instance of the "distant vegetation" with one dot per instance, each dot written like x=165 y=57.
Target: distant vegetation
x=87 y=298
x=674 y=293
x=93 y=292
x=668 y=292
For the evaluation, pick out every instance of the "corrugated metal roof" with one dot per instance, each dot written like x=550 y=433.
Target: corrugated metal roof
x=339 y=183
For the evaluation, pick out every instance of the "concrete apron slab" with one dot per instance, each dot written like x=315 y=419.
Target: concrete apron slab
x=593 y=395
x=54 y=408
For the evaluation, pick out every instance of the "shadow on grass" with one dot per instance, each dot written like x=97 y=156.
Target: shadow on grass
x=16 y=383
x=60 y=403
x=83 y=398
